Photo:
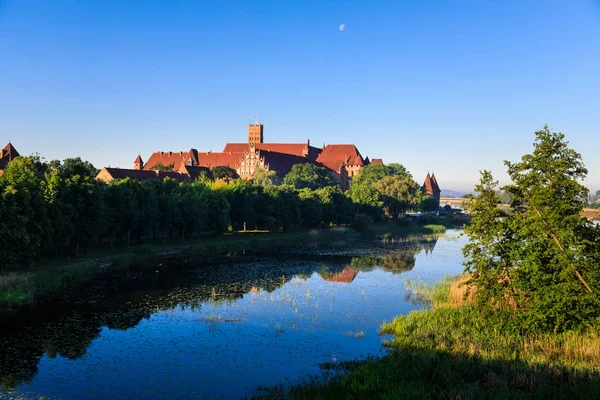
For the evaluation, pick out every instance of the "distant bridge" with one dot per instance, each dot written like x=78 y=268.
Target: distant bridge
x=455 y=202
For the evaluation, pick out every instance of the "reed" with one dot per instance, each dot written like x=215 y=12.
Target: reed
x=449 y=350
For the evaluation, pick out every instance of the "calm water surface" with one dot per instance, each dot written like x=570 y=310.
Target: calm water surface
x=222 y=329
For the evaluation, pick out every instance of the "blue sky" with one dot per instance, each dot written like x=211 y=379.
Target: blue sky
x=450 y=86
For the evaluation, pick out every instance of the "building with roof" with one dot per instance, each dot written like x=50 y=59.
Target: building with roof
x=431 y=188
x=343 y=160
x=7 y=154
x=184 y=172
x=346 y=275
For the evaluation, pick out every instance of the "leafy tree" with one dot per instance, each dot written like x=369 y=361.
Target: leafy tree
x=167 y=206
x=488 y=249
x=399 y=194
x=395 y=169
x=310 y=208
x=504 y=197
x=240 y=196
x=161 y=167
x=72 y=183
x=370 y=174
x=329 y=213
x=309 y=176
x=427 y=203
x=265 y=178
x=190 y=211
x=363 y=192
x=24 y=206
x=15 y=243
x=224 y=173
x=367 y=199
x=542 y=261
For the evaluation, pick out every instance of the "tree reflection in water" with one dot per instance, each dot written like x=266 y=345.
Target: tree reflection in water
x=67 y=330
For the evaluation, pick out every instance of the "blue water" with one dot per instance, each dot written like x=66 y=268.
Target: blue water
x=199 y=341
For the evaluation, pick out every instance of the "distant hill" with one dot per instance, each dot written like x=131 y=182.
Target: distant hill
x=452 y=193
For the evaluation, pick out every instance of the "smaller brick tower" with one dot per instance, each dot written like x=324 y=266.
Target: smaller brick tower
x=431 y=188
x=255 y=133
x=138 y=163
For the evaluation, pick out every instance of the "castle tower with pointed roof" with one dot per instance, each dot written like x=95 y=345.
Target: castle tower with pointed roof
x=7 y=154
x=431 y=188
x=138 y=164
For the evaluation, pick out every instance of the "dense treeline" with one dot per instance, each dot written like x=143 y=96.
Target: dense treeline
x=58 y=208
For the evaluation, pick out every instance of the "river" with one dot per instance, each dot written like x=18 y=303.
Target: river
x=222 y=329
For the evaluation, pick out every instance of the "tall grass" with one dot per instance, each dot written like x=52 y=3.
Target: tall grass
x=449 y=351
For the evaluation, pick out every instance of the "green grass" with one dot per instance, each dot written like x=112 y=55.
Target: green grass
x=448 y=351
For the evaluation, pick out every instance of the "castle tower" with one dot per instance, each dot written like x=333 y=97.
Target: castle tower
x=9 y=152
x=255 y=133
x=138 y=163
x=431 y=188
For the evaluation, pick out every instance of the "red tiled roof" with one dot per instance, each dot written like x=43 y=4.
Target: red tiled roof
x=194 y=171
x=236 y=147
x=139 y=159
x=7 y=154
x=347 y=275
x=141 y=175
x=435 y=183
x=212 y=160
x=430 y=186
x=336 y=155
x=193 y=154
x=167 y=158
x=377 y=161
x=297 y=149
x=11 y=151
x=281 y=163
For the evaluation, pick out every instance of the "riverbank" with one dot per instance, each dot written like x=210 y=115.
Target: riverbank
x=448 y=351
x=55 y=279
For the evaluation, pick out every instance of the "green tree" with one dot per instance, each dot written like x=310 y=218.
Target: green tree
x=542 y=260
x=310 y=208
x=370 y=174
x=399 y=194
x=395 y=169
x=25 y=223
x=504 y=197
x=161 y=167
x=224 y=173
x=362 y=190
x=72 y=183
x=240 y=196
x=167 y=206
x=488 y=252
x=265 y=178
x=427 y=203
x=329 y=213
x=309 y=176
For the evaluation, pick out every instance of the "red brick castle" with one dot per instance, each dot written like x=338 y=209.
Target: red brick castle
x=342 y=160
